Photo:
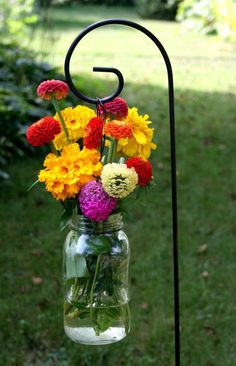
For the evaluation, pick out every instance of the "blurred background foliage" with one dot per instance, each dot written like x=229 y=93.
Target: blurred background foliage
x=17 y=15
x=157 y=9
x=209 y=16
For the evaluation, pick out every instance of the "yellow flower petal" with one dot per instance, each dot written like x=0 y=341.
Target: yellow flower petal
x=140 y=143
x=64 y=175
x=76 y=120
x=140 y=137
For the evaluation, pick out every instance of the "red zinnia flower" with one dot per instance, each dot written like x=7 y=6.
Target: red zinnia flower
x=118 y=107
x=142 y=167
x=93 y=133
x=117 y=129
x=43 y=131
x=48 y=88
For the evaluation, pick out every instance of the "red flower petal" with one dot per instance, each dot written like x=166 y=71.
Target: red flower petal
x=142 y=167
x=93 y=133
x=43 y=131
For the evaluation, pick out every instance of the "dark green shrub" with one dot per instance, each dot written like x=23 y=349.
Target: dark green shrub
x=106 y=2
x=20 y=74
x=157 y=9
x=91 y=2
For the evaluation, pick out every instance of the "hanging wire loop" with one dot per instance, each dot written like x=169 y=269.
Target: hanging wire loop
x=85 y=98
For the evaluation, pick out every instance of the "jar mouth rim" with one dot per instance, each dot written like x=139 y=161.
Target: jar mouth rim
x=84 y=224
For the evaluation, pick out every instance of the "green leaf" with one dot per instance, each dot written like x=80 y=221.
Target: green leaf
x=97 y=245
x=65 y=219
x=67 y=214
x=76 y=265
x=104 y=318
x=70 y=204
x=84 y=313
x=80 y=305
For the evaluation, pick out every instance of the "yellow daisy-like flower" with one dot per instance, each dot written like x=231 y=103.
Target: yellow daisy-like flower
x=140 y=143
x=75 y=120
x=118 y=180
x=65 y=175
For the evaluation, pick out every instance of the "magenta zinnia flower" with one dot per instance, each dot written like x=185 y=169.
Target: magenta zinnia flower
x=117 y=107
x=49 y=88
x=95 y=203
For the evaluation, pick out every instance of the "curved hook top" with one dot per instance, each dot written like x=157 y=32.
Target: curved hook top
x=172 y=139
x=110 y=69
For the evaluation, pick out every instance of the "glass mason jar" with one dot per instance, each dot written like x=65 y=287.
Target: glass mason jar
x=96 y=296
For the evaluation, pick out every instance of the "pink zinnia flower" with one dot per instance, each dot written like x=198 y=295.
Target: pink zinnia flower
x=50 y=88
x=95 y=203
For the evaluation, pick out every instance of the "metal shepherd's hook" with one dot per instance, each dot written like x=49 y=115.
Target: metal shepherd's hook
x=119 y=75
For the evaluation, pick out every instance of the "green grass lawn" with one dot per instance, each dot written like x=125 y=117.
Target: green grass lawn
x=199 y=62
x=31 y=328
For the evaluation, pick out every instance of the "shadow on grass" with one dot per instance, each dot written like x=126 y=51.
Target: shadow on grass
x=70 y=17
x=71 y=24
x=31 y=323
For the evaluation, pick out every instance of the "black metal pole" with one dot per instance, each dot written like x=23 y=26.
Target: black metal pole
x=172 y=140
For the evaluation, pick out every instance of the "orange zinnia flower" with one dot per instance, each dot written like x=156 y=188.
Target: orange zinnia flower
x=117 y=129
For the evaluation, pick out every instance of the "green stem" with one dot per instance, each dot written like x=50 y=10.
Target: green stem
x=104 y=159
x=93 y=285
x=124 y=313
x=75 y=294
x=86 y=289
x=57 y=109
x=53 y=148
x=122 y=160
x=76 y=288
x=112 y=150
x=127 y=318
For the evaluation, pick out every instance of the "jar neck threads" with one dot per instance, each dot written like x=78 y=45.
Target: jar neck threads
x=84 y=225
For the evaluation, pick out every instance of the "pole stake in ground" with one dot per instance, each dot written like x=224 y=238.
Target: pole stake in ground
x=119 y=88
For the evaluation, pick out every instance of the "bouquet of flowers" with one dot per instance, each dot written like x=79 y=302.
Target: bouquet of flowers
x=97 y=159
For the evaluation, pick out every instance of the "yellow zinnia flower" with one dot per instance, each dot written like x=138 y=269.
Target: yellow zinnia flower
x=75 y=120
x=65 y=175
x=118 y=180
x=140 y=143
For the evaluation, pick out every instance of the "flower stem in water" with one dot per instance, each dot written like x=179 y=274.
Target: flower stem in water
x=93 y=285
